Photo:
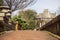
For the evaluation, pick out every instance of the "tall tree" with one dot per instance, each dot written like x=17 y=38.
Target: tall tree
x=26 y=19
x=29 y=17
x=19 y=4
x=1 y=2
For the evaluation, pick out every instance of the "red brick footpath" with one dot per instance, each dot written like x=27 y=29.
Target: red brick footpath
x=26 y=35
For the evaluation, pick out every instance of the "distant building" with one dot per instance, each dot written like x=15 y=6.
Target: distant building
x=44 y=18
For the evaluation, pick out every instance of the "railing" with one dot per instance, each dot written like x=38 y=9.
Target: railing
x=53 y=26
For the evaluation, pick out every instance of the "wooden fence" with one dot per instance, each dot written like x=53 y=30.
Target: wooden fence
x=53 y=26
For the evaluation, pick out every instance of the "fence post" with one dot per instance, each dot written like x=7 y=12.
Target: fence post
x=57 y=28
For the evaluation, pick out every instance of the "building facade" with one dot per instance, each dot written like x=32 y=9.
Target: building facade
x=44 y=18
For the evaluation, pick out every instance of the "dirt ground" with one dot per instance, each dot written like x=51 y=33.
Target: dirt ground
x=26 y=35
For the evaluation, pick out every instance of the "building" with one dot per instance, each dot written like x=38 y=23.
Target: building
x=44 y=17
x=5 y=16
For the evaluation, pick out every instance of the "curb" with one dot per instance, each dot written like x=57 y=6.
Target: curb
x=54 y=35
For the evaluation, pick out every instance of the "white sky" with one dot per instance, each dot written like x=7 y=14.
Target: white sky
x=40 y=5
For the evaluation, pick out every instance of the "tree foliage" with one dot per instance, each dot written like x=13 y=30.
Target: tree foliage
x=29 y=17
x=26 y=19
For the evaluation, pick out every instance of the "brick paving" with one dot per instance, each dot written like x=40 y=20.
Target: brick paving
x=27 y=35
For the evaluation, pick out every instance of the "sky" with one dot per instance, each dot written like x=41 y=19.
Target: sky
x=40 y=5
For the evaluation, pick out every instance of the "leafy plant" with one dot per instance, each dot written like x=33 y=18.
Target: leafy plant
x=26 y=19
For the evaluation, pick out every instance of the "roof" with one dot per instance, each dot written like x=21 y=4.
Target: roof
x=4 y=7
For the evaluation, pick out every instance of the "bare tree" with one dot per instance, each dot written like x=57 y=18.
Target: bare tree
x=18 y=4
x=1 y=2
